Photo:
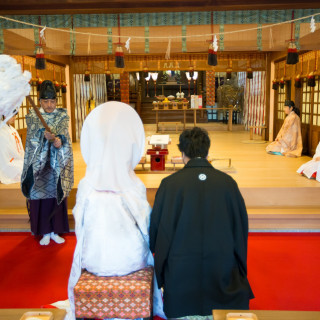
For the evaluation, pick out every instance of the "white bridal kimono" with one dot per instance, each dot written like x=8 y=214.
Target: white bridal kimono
x=112 y=213
x=11 y=155
x=312 y=166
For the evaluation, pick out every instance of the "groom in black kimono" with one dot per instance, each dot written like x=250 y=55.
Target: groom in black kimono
x=199 y=232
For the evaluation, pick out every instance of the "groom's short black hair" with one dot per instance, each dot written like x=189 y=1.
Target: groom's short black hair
x=194 y=143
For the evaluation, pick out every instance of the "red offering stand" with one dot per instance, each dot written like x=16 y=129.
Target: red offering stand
x=158 y=161
x=158 y=152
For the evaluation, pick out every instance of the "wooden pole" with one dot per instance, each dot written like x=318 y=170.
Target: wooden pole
x=230 y=119
x=38 y=114
x=72 y=104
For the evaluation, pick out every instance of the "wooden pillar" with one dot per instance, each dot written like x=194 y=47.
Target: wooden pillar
x=124 y=87
x=268 y=93
x=71 y=93
x=230 y=118
x=199 y=89
x=293 y=88
x=139 y=99
x=210 y=88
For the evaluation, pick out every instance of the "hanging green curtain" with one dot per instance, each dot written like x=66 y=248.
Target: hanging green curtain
x=36 y=39
x=221 y=37
x=184 y=39
x=297 y=34
x=146 y=40
x=160 y=19
x=259 y=37
x=110 y=46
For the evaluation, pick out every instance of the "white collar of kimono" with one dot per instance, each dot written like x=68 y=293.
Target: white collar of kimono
x=112 y=144
x=42 y=110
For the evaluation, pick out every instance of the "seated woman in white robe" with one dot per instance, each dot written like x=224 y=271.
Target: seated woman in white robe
x=311 y=169
x=11 y=153
x=288 y=141
x=112 y=212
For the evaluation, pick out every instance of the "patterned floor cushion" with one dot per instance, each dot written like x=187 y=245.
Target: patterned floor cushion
x=126 y=297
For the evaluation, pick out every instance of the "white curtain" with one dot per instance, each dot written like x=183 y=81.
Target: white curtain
x=83 y=91
x=254 y=110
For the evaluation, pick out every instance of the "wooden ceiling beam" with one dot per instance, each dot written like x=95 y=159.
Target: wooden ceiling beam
x=139 y=6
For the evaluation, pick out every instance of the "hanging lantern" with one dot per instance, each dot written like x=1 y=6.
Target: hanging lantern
x=87 y=76
x=249 y=69
x=108 y=75
x=275 y=85
x=298 y=81
x=212 y=56
x=63 y=87
x=311 y=79
x=33 y=81
x=229 y=70
x=55 y=82
x=56 y=86
x=213 y=47
x=281 y=83
x=40 y=59
x=119 y=62
x=39 y=82
x=107 y=70
x=229 y=73
x=292 y=55
x=311 y=76
x=191 y=72
x=119 y=56
x=145 y=72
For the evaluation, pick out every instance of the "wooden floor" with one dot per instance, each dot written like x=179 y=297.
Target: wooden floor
x=277 y=198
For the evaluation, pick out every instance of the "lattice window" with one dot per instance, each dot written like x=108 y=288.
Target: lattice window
x=306 y=102
x=60 y=100
x=281 y=100
x=316 y=103
x=20 y=122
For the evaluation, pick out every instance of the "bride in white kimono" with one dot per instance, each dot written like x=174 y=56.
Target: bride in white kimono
x=11 y=153
x=311 y=169
x=112 y=212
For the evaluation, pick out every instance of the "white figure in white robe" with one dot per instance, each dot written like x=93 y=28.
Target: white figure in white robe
x=11 y=153
x=313 y=166
x=112 y=212
x=14 y=86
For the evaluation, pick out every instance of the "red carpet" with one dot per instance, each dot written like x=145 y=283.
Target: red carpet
x=283 y=271
x=33 y=275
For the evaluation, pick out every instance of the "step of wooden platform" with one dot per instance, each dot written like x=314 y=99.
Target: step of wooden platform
x=18 y=219
x=276 y=197
x=263 y=197
x=260 y=219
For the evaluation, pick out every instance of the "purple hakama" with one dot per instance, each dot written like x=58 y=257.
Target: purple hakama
x=47 y=216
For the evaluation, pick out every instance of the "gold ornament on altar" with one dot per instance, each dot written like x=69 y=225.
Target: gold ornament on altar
x=90 y=105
